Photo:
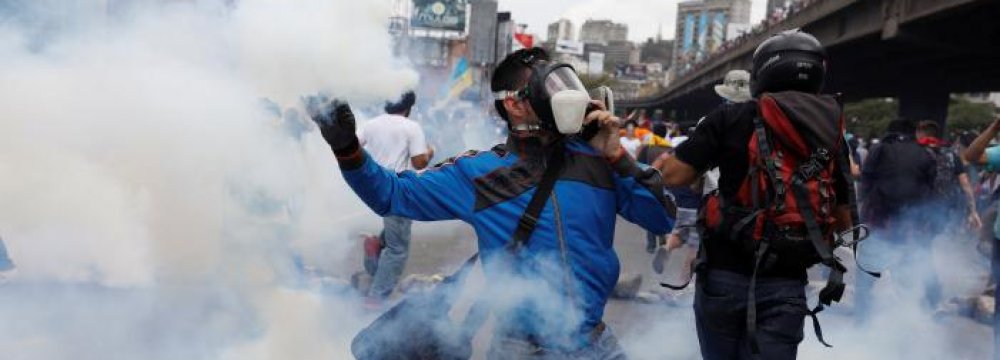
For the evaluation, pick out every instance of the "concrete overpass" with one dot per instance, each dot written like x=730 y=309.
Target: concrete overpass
x=918 y=51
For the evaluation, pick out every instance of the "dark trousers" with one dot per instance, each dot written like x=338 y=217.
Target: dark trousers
x=720 y=308
x=995 y=265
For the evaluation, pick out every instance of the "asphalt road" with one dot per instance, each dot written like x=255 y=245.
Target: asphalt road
x=667 y=330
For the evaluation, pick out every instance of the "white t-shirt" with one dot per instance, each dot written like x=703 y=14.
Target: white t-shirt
x=392 y=140
x=631 y=145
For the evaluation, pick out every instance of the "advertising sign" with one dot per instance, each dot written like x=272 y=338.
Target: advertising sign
x=439 y=14
x=595 y=64
x=569 y=47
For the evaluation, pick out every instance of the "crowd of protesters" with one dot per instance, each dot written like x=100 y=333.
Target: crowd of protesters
x=765 y=187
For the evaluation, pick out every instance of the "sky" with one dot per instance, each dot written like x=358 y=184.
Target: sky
x=644 y=17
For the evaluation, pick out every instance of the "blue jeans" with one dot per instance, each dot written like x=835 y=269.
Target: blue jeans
x=720 y=309
x=605 y=347
x=5 y=262
x=396 y=241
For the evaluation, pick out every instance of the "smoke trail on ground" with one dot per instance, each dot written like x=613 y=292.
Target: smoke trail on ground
x=899 y=326
x=155 y=209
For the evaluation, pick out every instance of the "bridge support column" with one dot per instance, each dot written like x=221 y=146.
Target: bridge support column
x=924 y=104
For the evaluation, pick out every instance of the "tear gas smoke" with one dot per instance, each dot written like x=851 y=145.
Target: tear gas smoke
x=900 y=325
x=154 y=208
x=157 y=211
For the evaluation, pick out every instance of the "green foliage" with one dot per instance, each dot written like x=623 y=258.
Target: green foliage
x=966 y=115
x=593 y=81
x=870 y=117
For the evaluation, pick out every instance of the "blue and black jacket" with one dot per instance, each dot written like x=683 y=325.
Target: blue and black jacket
x=571 y=248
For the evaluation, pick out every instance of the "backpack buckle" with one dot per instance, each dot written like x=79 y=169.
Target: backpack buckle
x=814 y=165
x=852 y=236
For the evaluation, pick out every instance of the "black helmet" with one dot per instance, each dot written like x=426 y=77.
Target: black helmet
x=789 y=60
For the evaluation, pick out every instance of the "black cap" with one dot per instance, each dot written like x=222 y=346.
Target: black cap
x=405 y=103
x=789 y=60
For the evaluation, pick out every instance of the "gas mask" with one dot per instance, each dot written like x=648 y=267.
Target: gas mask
x=557 y=95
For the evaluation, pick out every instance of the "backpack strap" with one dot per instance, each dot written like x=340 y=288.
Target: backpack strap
x=526 y=224
x=752 y=298
x=764 y=147
x=696 y=266
x=852 y=200
x=480 y=310
x=834 y=289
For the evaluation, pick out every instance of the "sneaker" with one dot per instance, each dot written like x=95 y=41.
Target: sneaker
x=660 y=259
x=373 y=248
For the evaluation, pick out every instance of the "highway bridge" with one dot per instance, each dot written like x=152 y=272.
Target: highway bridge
x=918 y=51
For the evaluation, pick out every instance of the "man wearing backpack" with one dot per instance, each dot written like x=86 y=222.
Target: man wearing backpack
x=952 y=188
x=897 y=183
x=782 y=195
x=549 y=298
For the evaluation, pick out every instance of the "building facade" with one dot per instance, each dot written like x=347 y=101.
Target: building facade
x=773 y=5
x=560 y=30
x=703 y=26
x=603 y=31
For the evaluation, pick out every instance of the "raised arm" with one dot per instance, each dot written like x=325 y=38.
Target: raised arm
x=976 y=153
x=439 y=194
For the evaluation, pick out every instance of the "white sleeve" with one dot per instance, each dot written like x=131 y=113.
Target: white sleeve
x=417 y=141
x=361 y=136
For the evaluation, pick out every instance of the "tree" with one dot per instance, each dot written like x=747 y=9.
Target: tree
x=593 y=81
x=967 y=115
x=870 y=118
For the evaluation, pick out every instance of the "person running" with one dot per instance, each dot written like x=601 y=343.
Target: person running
x=549 y=300
x=397 y=143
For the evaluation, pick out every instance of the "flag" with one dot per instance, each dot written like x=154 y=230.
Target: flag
x=460 y=80
x=523 y=41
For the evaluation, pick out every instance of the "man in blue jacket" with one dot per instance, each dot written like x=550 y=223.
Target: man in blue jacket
x=549 y=303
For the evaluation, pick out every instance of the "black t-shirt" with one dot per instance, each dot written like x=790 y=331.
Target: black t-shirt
x=721 y=140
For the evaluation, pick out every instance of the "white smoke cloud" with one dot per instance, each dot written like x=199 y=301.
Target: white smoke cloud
x=135 y=157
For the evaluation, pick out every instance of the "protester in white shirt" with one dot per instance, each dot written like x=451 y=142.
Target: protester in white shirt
x=630 y=142
x=398 y=143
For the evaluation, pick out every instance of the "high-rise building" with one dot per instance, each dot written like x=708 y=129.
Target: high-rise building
x=560 y=30
x=483 y=31
x=621 y=52
x=703 y=25
x=603 y=31
x=505 y=35
x=657 y=51
x=774 y=5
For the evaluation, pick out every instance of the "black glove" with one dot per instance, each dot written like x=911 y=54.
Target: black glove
x=336 y=122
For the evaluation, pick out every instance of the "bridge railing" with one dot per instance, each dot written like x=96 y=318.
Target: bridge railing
x=805 y=12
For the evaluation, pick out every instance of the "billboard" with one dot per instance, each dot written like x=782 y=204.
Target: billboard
x=483 y=32
x=439 y=14
x=569 y=47
x=595 y=65
x=718 y=31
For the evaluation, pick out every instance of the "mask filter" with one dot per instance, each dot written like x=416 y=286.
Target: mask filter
x=569 y=107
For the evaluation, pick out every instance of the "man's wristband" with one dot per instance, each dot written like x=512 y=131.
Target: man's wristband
x=350 y=157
